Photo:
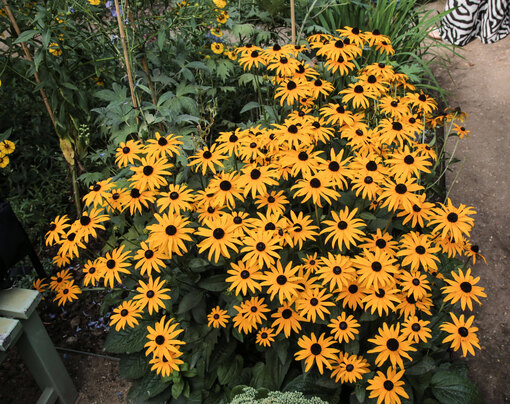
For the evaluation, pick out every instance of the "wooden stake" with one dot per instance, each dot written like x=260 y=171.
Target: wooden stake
x=30 y=59
x=125 y=51
x=293 y=22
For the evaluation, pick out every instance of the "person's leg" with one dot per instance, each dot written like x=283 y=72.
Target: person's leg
x=461 y=25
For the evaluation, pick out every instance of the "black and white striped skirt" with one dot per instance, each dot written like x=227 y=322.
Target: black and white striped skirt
x=488 y=20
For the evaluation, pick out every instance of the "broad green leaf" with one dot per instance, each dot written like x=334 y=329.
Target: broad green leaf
x=129 y=340
x=451 y=388
x=189 y=301
x=25 y=36
x=133 y=366
x=215 y=283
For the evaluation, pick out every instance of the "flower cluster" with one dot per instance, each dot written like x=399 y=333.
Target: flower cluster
x=319 y=220
x=6 y=148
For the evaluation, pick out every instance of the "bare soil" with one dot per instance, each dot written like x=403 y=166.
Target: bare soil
x=480 y=85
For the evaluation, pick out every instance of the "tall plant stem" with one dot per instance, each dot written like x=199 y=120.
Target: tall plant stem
x=28 y=55
x=293 y=21
x=30 y=59
x=126 y=55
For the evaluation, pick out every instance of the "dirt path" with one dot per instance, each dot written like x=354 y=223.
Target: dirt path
x=481 y=87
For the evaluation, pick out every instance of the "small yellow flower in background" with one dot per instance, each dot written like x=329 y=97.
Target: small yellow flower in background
x=223 y=17
x=60 y=37
x=67 y=293
x=230 y=54
x=217 y=47
x=95 y=2
x=216 y=32
x=39 y=285
x=220 y=3
x=54 y=49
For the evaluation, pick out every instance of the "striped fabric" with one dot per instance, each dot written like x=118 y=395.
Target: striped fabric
x=488 y=20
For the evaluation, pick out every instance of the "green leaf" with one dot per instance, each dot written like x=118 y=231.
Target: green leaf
x=161 y=39
x=215 y=283
x=229 y=372
x=129 y=340
x=133 y=366
x=150 y=386
x=251 y=105
x=177 y=388
x=451 y=388
x=189 y=301
x=425 y=365
x=360 y=391
x=26 y=36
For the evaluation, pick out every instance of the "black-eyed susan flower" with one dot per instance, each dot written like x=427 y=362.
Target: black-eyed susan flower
x=260 y=248
x=57 y=230
x=449 y=220
x=291 y=90
x=281 y=282
x=414 y=283
x=227 y=188
x=316 y=350
x=461 y=334
x=423 y=102
x=39 y=285
x=375 y=268
x=135 y=198
x=7 y=147
x=348 y=368
x=67 y=293
x=273 y=201
x=463 y=288
x=399 y=194
x=380 y=240
x=113 y=201
x=151 y=173
x=460 y=131
x=358 y=94
x=92 y=272
x=392 y=345
x=163 y=146
x=152 y=294
x=98 y=192
x=251 y=57
x=473 y=251
x=387 y=387
x=301 y=229
x=207 y=159
x=352 y=296
x=418 y=251
x=337 y=114
x=344 y=327
x=128 y=152
x=166 y=364
x=70 y=244
x=148 y=259
x=286 y=320
x=252 y=313
x=265 y=336
x=316 y=187
x=383 y=300
x=113 y=264
x=336 y=271
x=169 y=234
x=256 y=179
x=89 y=223
x=220 y=236
x=61 y=278
x=344 y=229
x=127 y=313
x=163 y=338
x=244 y=277
x=416 y=330
x=418 y=213
x=217 y=318
x=314 y=302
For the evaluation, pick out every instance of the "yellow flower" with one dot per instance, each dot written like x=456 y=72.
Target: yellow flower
x=95 y=2
x=54 y=49
x=217 y=47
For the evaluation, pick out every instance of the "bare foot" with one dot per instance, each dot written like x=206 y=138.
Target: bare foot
x=435 y=34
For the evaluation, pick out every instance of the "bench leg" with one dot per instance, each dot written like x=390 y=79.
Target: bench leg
x=43 y=361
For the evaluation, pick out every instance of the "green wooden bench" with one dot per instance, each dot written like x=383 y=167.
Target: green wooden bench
x=20 y=325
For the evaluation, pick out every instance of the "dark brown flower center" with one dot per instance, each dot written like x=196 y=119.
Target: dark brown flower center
x=353 y=289
x=160 y=340
x=396 y=126
x=216 y=316
x=316 y=349
x=376 y=266
x=126 y=150
x=342 y=225
x=291 y=85
x=92 y=270
x=337 y=270
x=255 y=174
x=371 y=166
x=245 y=274
x=171 y=230
x=466 y=287
x=174 y=195
x=416 y=327
x=238 y=220
x=342 y=325
x=286 y=314
x=148 y=254
x=110 y=264
x=261 y=246
x=303 y=156
x=207 y=154
x=293 y=129
x=218 y=234
x=281 y=279
x=334 y=166
x=124 y=313
x=388 y=385
x=463 y=332
x=368 y=179
x=135 y=193
x=315 y=183
x=271 y=199
x=420 y=250
x=409 y=159
x=392 y=344
x=358 y=89
x=263 y=335
x=340 y=109
x=148 y=170
x=150 y=294
x=339 y=44
x=349 y=367
x=162 y=141
x=371 y=79
x=381 y=243
x=314 y=301
x=225 y=185
x=400 y=189
x=452 y=217
x=380 y=293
